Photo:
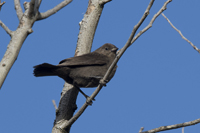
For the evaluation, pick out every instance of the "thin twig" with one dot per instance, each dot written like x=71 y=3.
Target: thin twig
x=54 y=104
x=182 y=129
x=1 y=4
x=18 y=9
x=198 y=50
x=164 y=7
x=164 y=128
x=6 y=28
x=53 y=10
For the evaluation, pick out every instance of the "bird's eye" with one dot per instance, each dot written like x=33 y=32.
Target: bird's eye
x=106 y=48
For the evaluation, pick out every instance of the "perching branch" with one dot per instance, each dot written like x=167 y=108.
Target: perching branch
x=6 y=28
x=18 y=9
x=198 y=50
x=128 y=43
x=67 y=104
x=85 y=105
x=1 y=4
x=164 y=128
x=53 y=10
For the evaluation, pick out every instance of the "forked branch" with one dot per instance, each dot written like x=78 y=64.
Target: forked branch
x=27 y=19
x=164 y=7
x=53 y=10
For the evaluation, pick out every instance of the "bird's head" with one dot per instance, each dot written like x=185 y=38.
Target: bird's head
x=108 y=50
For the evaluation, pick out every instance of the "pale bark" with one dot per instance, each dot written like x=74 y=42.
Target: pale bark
x=26 y=21
x=18 y=9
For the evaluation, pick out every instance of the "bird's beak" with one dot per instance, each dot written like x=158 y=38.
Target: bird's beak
x=114 y=49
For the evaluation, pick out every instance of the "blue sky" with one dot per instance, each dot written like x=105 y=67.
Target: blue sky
x=156 y=83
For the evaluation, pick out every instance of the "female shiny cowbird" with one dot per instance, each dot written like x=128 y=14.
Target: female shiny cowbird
x=82 y=71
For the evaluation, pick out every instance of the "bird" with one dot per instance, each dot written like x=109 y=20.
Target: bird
x=84 y=71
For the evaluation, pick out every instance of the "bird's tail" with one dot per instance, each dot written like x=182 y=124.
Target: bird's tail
x=44 y=69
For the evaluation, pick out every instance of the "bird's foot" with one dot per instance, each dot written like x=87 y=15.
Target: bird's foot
x=89 y=101
x=103 y=82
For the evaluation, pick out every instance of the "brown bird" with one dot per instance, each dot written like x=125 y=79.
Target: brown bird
x=82 y=71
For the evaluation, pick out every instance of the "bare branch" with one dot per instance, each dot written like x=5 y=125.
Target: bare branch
x=198 y=50
x=146 y=13
x=53 y=10
x=54 y=104
x=6 y=28
x=128 y=43
x=89 y=100
x=164 y=128
x=67 y=104
x=164 y=7
x=27 y=19
x=18 y=9
x=1 y=4
x=182 y=129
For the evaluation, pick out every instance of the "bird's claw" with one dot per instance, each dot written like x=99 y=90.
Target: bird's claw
x=89 y=101
x=103 y=82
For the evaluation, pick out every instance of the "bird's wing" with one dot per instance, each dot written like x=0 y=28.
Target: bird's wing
x=85 y=60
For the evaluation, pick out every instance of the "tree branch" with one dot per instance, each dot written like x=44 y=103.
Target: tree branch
x=164 y=128
x=198 y=50
x=53 y=10
x=128 y=43
x=6 y=28
x=164 y=7
x=85 y=105
x=18 y=9
x=27 y=19
x=1 y=4
x=67 y=104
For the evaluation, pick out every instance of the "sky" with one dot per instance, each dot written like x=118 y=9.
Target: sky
x=156 y=83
